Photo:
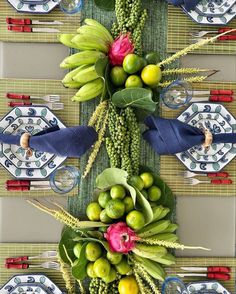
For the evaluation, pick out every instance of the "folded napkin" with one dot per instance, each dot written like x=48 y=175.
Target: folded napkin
x=69 y=142
x=171 y=136
x=187 y=4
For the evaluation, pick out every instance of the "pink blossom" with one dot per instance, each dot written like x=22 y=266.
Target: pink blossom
x=120 y=237
x=121 y=47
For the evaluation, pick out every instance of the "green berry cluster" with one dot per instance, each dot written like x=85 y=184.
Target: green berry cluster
x=130 y=18
x=123 y=144
x=98 y=286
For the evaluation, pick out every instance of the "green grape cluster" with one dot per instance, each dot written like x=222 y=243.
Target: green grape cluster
x=98 y=286
x=123 y=144
x=130 y=18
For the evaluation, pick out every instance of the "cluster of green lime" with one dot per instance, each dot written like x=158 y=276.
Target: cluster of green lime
x=137 y=71
x=101 y=263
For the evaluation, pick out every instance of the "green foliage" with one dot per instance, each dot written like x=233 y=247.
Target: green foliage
x=107 y=5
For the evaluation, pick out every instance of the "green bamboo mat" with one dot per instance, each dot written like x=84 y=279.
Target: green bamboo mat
x=206 y=261
x=179 y=27
x=171 y=166
x=154 y=38
x=29 y=249
x=69 y=116
x=70 y=24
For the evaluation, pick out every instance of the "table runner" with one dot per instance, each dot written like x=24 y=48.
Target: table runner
x=206 y=261
x=69 y=115
x=70 y=24
x=179 y=27
x=30 y=249
x=171 y=166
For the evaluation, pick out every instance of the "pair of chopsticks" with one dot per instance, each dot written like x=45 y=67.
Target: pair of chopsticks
x=24 y=185
x=24 y=25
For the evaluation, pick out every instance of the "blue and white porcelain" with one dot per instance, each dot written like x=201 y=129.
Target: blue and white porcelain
x=34 y=6
x=14 y=158
x=212 y=19
x=214 y=7
x=206 y=287
x=217 y=119
x=30 y=284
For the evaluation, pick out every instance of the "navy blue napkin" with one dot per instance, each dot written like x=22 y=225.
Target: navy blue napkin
x=69 y=142
x=171 y=136
x=187 y=4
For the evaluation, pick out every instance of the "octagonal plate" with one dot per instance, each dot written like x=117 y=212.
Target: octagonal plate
x=34 y=6
x=214 y=7
x=216 y=118
x=13 y=158
x=212 y=20
x=206 y=287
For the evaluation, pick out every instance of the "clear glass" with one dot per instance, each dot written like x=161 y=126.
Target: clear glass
x=177 y=94
x=70 y=6
x=64 y=179
x=173 y=285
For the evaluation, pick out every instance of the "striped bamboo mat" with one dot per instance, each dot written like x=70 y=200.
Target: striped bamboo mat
x=179 y=27
x=70 y=24
x=206 y=261
x=171 y=166
x=69 y=115
x=22 y=249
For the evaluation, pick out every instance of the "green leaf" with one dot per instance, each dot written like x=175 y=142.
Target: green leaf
x=67 y=240
x=100 y=66
x=146 y=207
x=90 y=224
x=114 y=176
x=134 y=97
x=79 y=268
x=108 y=84
x=104 y=243
x=108 y=5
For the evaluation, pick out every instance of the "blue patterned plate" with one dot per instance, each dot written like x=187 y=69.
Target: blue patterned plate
x=212 y=20
x=30 y=283
x=33 y=120
x=206 y=287
x=217 y=119
x=34 y=6
x=214 y=7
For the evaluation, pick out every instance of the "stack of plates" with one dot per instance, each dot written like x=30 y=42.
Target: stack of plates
x=214 y=12
x=34 y=6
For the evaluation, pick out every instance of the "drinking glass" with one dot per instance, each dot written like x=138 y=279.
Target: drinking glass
x=64 y=179
x=173 y=285
x=177 y=94
x=70 y=6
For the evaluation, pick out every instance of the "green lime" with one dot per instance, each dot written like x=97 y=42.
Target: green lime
x=117 y=192
x=104 y=217
x=93 y=251
x=151 y=75
x=101 y=267
x=118 y=76
x=111 y=277
x=114 y=257
x=77 y=249
x=154 y=193
x=90 y=270
x=144 y=192
x=103 y=198
x=136 y=182
x=152 y=57
x=129 y=204
x=143 y=62
x=135 y=220
x=133 y=81
x=93 y=211
x=115 y=208
x=132 y=63
x=123 y=267
x=147 y=179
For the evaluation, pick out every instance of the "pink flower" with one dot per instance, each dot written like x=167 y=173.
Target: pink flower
x=120 y=237
x=121 y=47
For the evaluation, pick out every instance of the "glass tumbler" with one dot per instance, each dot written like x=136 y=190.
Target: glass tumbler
x=174 y=285
x=70 y=6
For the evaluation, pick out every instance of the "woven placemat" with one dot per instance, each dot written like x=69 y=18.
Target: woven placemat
x=69 y=115
x=171 y=166
x=206 y=261
x=29 y=249
x=179 y=27
x=70 y=24
x=154 y=38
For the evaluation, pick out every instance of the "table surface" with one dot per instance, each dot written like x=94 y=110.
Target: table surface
x=203 y=221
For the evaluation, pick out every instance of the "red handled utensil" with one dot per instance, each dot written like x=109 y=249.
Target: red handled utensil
x=27 y=188
x=194 y=181
x=48 y=264
x=26 y=183
x=28 y=29
x=45 y=254
x=212 y=98
x=189 y=174
x=47 y=98
x=28 y=21
x=212 y=276
x=209 y=269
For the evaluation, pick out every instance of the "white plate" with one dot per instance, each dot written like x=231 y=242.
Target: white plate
x=34 y=6
x=214 y=8
x=33 y=120
x=196 y=114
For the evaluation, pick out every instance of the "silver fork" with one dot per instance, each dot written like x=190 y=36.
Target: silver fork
x=48 y=264
x=48 y=98
x=193 y=181
x=202 y=33
x=189 y=174
x=51 y=105
x=45 y=254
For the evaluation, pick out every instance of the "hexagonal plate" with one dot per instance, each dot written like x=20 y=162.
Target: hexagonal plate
x=13 y=158
x=214 y=8
x=217 y=118
x=33 y=6
x=205 y=287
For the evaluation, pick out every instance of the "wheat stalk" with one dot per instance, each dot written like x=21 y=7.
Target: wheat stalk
x=197 y=79
x=178 y=71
